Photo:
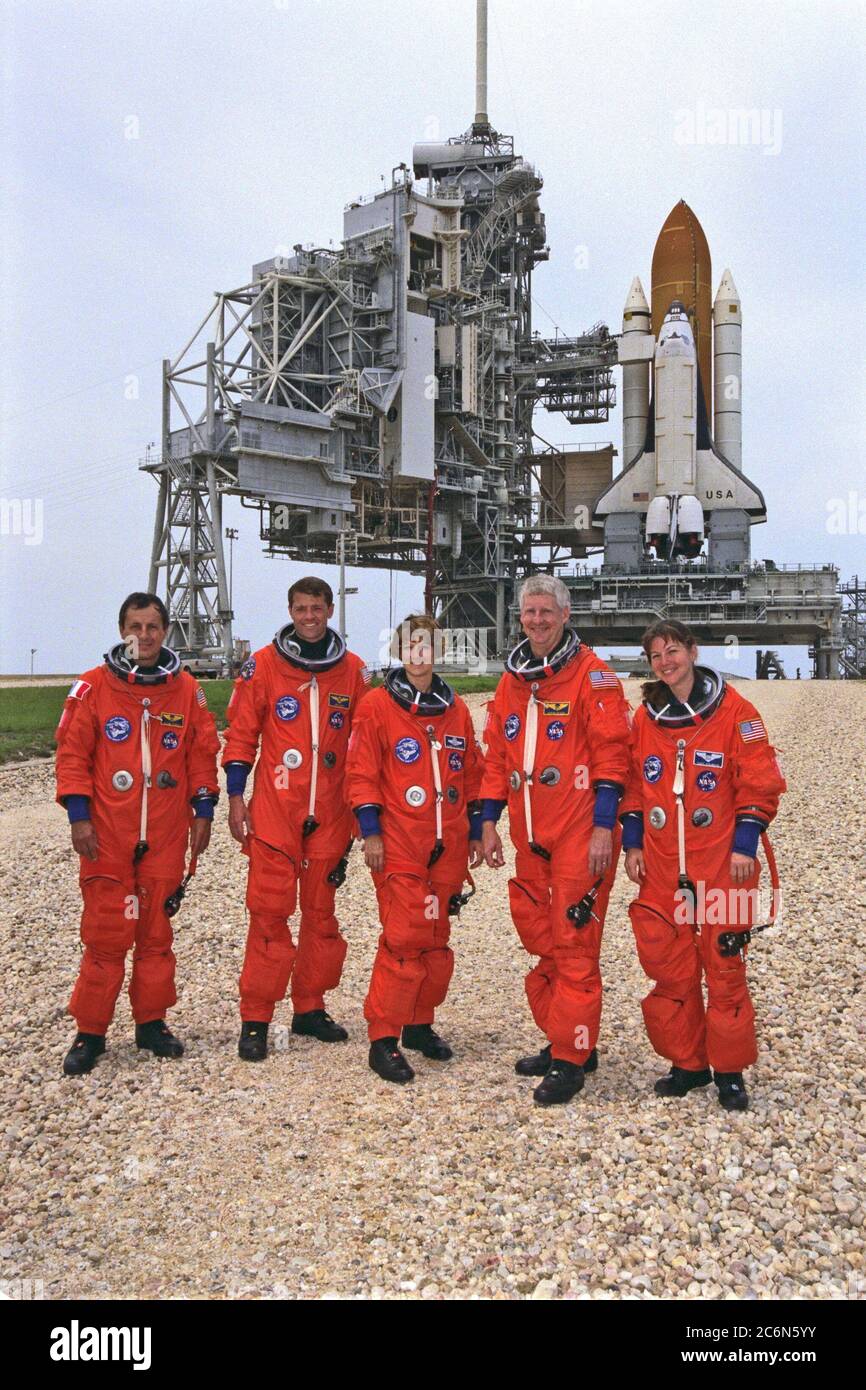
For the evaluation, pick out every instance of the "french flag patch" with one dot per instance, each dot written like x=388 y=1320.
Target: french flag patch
x=752 y=731
x=604 y=680
x=78 y=690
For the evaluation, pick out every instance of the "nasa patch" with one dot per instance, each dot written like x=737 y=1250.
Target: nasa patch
x=337 y=719
x=652 y=768
x=287 y=707
x=170 y=740
x=117 y=728
x=707 y=781
x=407 y=750
x=511 y=727
x=248 y=669
x=455 y=762
x=555 y=729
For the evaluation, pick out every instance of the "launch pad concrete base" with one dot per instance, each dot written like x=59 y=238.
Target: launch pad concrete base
x=761 y=606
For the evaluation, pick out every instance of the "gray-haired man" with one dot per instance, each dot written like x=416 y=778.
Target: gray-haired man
x=557 y=738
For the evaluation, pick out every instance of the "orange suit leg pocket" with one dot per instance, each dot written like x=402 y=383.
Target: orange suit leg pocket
x=272 y=889
x=408 y=913
x=321 y=948
x=674 y=1009
x=574 y=1017
x=529 y=899
x=151 y=987
x=108 y=926
x=732 y=1043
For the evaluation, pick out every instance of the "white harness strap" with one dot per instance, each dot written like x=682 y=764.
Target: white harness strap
x=529 y=744
x=679 y=787
x=437 y=780
x=146 y=770
x=314 y=732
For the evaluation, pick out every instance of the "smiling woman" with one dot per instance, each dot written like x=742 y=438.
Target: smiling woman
x=672 y=660
x=704 y=785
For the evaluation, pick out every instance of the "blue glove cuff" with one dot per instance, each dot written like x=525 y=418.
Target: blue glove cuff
x=746 y=837
x=202 y=807
x=607 y=799
x=368 y=820
x=77 y=808
x=491 y=809
x=236 y=778
x=475 y=826
x=632 y=830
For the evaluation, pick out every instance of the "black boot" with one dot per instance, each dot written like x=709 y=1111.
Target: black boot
x=419 y=1037
x=732 y=1090
x=538 y=1064
x=561 y=1083
x=157 y=1037
x=679 y=1082
x=388 y=1061
x=84 y=1053
x=253 y=1042
x=318 y=1024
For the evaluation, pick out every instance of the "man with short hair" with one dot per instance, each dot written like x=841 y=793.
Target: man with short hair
x=293 y=706
x=136 y=772
x=557 y=739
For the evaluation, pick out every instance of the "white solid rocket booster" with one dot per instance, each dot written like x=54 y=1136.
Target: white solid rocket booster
x=635 y=375
x=728 y=373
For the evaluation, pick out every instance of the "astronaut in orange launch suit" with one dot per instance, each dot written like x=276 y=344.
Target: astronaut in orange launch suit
x=557 y=738
x=413 y=779
x=297 y=698
x=705 y=785
x=136 y=772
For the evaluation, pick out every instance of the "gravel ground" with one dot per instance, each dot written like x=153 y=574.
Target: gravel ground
x=308 y=1177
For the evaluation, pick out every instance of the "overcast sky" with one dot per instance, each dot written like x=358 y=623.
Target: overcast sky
x=154 y=151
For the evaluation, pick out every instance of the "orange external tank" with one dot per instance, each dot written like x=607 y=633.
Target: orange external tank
x=682 y=269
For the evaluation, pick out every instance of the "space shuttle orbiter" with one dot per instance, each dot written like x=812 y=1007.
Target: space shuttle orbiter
x=679 y=485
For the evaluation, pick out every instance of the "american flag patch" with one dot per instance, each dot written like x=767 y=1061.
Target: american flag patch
x=201 y=697
x=78 y=690
x=604 y=680
x=751 y=730
x=366 y=676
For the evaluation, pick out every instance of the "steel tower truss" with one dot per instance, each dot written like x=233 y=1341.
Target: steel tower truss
x=307 y=393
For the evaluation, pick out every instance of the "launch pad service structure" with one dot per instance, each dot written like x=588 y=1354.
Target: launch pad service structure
x=376 y=405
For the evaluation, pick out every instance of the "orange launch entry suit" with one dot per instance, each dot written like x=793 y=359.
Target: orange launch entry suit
x=301 y=712
x=731 y=784
x=143 y=751
x=415 y=763
x=557 y=738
